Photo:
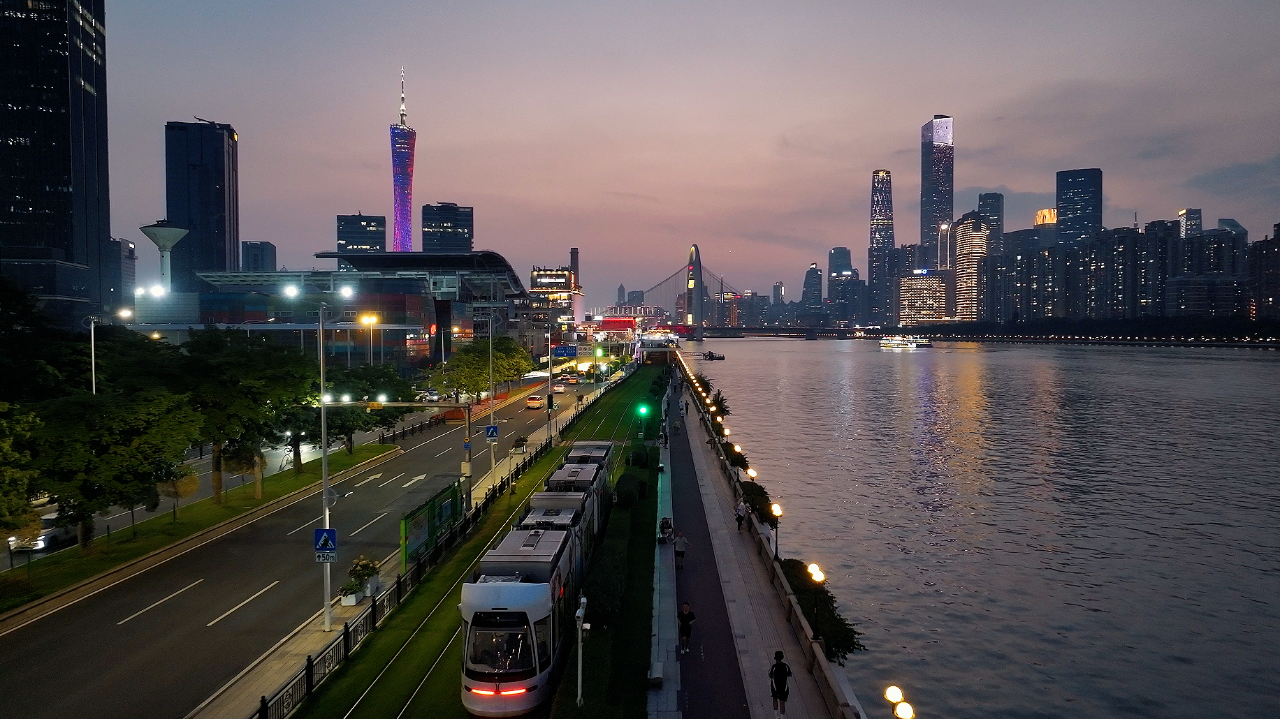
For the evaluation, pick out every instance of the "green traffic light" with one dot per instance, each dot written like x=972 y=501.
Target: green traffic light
x=599 y=351
x=644 y=409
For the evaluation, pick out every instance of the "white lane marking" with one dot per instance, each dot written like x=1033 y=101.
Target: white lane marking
x=438 y=456
x=389 y=481
x=162 y=601
x=415 y=479
x=438 y=436
x=369 y=479
x=308 y=524
x=241 y=604
x=371 y=521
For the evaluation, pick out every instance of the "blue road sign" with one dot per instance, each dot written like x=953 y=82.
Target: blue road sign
x=491 y=431
x=326 y=540
x=565 y=351
x=466 y=445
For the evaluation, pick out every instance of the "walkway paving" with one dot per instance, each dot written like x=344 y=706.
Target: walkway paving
x=709 y=686
x=758 y=621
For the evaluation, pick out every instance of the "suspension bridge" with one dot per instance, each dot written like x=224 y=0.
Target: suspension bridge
x=688 y=294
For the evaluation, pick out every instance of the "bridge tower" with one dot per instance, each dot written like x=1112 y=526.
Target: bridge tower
x=694 y=293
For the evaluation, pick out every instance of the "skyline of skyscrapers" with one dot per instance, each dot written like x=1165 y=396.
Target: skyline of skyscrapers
x=991 y=207
x=202 y=196
x=971 y=234
x=880 y=266
x=361 y=233
x=1079 y=204
x=403 y=141
x=937 y=182
x=55 y=217
x=446 y=227
x=257 y=257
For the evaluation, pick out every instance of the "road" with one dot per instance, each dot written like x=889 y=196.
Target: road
x=159 y=643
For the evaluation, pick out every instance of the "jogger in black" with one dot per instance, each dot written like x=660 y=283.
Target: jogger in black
x=779 y=673
x=686 y=618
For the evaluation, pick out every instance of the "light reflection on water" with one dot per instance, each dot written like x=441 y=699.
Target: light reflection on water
x=1038 y=531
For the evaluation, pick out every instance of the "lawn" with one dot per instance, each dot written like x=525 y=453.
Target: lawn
x=70 y=566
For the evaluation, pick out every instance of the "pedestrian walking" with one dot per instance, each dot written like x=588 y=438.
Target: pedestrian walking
x=686 y=618
x=681 y=544
x=740 y=513
x=779 y=673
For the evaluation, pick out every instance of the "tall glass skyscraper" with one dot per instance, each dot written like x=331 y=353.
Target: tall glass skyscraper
x=841 y=279
x=811 y=292
x=55 y=213
x=403 y=140
x=937 y=182
x=991 y=207
x=971 y=234
x=446 y=227
x=1079 y=204
x=880 y=266
x=202 y=195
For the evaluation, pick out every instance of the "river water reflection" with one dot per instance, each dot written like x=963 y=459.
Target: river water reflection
x=1031 y=531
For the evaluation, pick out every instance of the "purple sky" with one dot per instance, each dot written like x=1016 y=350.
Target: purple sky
x=632 y=129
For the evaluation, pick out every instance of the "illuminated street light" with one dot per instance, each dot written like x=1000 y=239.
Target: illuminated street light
x=382 y=398
x=751 y=473
x=904 y=711
x=893 y=694
x=155 y=335
x=777 y=514
x=139 y=291
x=816 y=573
x=346 y=398
x=291 y=291
x=157 y=291
x=125 y=313
x=346 y=292
x=326 y=399
x=737 y=448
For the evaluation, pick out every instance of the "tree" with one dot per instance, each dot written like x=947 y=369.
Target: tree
x=238 y=383
x=16 y=475
x=175 y=481
x=93 y=451
x=721 y=404
x=366 y=383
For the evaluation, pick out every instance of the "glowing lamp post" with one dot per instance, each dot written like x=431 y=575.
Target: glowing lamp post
x=777 y=513
x=901 y=709
x=369 y=321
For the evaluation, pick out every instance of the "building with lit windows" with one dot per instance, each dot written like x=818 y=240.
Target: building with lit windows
x=1190 y=222
x=971 y=233
x=556 y=293
x=361 y=233
x=841 y=281
x=881 y=270
x=202 y=196
x=446 y=227
x=937 y=182
x=1079 y=204
x=991 y=207
x=922 y=297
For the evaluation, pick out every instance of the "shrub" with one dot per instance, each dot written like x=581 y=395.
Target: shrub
x=362 y=569
x=757 y=499
x=627 y=490
x=351 y=587
x=819 y=607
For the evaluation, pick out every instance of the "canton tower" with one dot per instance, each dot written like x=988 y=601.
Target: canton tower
x=403 y=139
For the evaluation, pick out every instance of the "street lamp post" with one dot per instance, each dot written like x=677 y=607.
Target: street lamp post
x=369 y=321
x=777 y=513
x=125 y=313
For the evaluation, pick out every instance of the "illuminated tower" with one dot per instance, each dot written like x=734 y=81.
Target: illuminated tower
x=880 y=268
x=403 y=139
x=937 y=186
x=694 y=289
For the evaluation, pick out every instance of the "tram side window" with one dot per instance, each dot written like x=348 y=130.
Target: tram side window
x=542 y=638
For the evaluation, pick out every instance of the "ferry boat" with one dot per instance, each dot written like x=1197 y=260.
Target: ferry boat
x=899 y=342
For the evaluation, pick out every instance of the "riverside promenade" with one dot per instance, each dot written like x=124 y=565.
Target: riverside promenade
x=741 y=617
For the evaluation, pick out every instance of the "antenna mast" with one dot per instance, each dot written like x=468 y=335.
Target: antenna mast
x=403 y=111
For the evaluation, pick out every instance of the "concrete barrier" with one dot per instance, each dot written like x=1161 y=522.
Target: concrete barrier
x=24 y=615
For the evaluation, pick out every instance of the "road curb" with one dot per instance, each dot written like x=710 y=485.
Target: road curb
x=17 y=618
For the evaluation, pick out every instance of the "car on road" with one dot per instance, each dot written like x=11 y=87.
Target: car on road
x=51 y=536
x=573 y=379
x=535 y=401
x=558 y=389
x=431 y=395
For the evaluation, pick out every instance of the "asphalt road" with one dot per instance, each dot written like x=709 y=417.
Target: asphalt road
x=159 y=643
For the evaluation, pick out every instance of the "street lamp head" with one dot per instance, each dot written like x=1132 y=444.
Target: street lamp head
x=751 y=473
x=776 y=509
x=737 y=448
x=290 y=291
x=346 y=291
x=368 y=319
x=727 y=432
x=326 y=399
x=893 y=694
x=382 y=398
x=346 y=398
x=157 y=291
x=125 y=313
x=139 y=291
x=155 y=335
x=904 y=711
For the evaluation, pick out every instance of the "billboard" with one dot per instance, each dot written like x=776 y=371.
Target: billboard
x=422 y=527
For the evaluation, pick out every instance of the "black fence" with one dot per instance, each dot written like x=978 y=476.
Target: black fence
x=396 y=435
x=291 y=694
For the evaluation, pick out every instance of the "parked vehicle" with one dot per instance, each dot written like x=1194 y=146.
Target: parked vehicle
x=51 y=536
x=535 y=401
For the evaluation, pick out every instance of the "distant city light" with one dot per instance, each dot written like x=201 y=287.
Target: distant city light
x=290 y=291
x=139 y=291
x=126 y=313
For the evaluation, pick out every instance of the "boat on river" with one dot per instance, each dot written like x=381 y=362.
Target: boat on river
x=901 y=342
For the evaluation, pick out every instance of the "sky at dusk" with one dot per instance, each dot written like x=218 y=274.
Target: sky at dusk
x=633 y=129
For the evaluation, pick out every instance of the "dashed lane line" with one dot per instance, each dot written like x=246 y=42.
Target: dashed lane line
x=371 y=521
x=241 y=604
x=308 y=524
x=162 y=601
x=389 y=481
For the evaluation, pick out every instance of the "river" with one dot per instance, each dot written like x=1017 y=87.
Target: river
x=1030 y=530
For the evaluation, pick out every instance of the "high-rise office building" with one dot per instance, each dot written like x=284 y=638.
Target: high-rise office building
x=811 y=291
x=446 y=227
x=361 y=233
x=937 y=182
x=881 y=272
x=1189 y=221
x=971 y=233
x=779 y=293
x=1233 y=227
x=635 y=298
x=54 y=202
x=257 y=257
x=991 y=207
x=1079 y=204
x=622 y=294
x=840 y=279
x=403 y=140
x=202 y=195
x=1046 y=225
x=922 y=297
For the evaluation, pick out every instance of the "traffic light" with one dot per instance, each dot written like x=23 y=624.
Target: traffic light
x=599 y=352
x=644 y=409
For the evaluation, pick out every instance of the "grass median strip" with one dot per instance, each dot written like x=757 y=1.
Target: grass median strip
x=66 y=568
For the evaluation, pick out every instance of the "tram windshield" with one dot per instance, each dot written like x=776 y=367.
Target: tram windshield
x=499 y=643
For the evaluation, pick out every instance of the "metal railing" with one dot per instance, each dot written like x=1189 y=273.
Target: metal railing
x=293 y=692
